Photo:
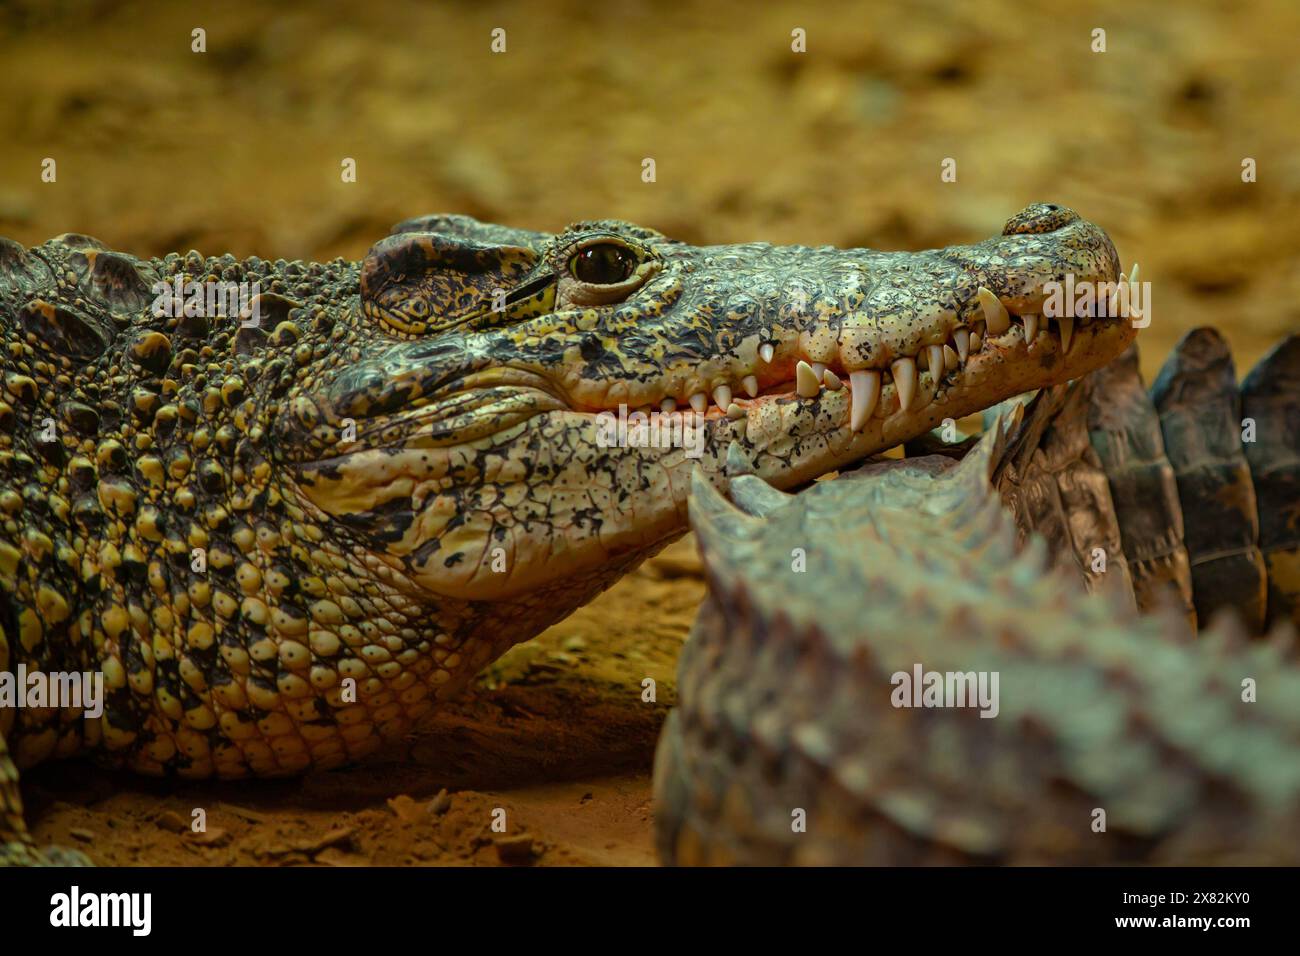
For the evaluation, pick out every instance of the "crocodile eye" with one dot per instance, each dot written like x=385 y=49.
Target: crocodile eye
x=604 y=263
x=417 y=308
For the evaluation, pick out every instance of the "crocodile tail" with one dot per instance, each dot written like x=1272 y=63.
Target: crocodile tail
x=1125 y=433
x=1200 y=419
x=1270 y=400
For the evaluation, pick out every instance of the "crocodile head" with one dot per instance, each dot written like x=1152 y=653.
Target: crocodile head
x=461 y=429
x=392 y=470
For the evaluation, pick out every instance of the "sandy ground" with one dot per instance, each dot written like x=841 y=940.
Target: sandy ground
x=238 y=149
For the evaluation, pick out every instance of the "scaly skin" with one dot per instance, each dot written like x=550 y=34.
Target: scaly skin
x=785 y=684
x=397 y=475
x=1219 y=528
x=1270 y=398
x=1125 y=432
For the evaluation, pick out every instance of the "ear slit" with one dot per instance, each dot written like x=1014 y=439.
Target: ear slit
x=530 y=288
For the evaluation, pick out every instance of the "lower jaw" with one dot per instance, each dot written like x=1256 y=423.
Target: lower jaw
x=785 y=439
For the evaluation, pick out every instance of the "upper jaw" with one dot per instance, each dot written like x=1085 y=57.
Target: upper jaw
x=761 y=325
x=879 y=321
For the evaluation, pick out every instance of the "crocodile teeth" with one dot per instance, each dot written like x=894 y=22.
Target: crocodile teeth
x=866 y=393
x=1031 y=327
x=750 y=384
x=767 y=350
x=737 y=464
x=735 y=412
x=904 y=370
x=995 y=313
x=668 y=405
x=819 y=369
x=806 y=381
x=936 y=362
x=976 y=340
x=722 y=395
x=832 y=381
x=951 y=362
x=1067 y=332
x=962 y=338
x=700 y=402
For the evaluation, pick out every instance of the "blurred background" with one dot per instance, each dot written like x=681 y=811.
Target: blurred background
x=238 y=149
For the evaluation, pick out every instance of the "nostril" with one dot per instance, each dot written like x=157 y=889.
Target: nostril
x=1040 y=218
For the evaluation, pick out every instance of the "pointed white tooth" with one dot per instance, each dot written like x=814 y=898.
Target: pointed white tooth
x=962 y=338
x=819 y=369
x=767 y=350
x=1133 y=275
x=750 y=384
x=832 y=381
x=1031 y=327
x=737 y=462
x=668 y=405
x=722 y=395
x=936 y=362
x=700 y=402
x=995 y=313
x=735 y=412
x=904 y=370
x=1120 y=297
x=976 y=341
x=951 y=361
x=1067 y=333
x=807 y=384
x=866 y=393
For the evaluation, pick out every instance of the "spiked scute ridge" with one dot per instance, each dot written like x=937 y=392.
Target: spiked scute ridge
x=1200 y=418
x=786 y=694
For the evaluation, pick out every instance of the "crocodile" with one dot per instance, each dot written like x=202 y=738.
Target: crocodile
x=1115 y=733
x=284 y=508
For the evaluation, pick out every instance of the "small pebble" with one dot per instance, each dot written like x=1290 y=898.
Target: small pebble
x=172 y=821
x=439 y=804
x=404 y=808
x=213 y=836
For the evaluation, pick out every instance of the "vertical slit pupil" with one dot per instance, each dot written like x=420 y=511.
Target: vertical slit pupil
x=603 y=264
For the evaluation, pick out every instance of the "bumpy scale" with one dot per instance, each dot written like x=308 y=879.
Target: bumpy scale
x=282 y=537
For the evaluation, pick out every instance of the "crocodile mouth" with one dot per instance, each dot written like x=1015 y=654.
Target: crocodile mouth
x=505 y=467
x=1002 y=330
x=480 y=463
x=959 y=350
x=963 y=348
